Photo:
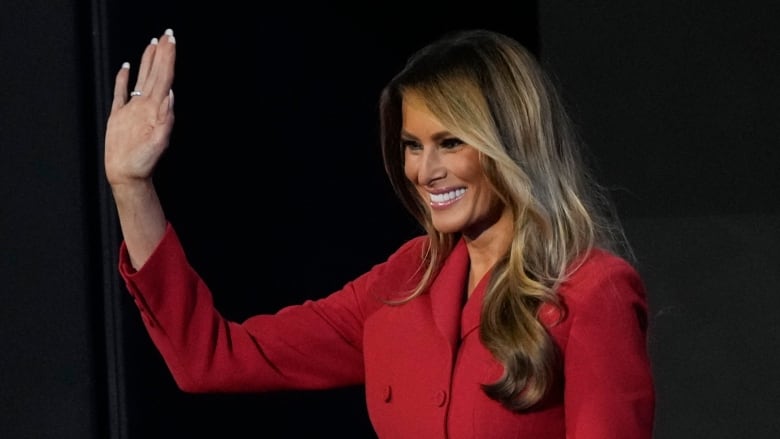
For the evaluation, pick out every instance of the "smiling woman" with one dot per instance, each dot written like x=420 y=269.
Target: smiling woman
x=475 y=113
x=449 y=177
x=502 y=319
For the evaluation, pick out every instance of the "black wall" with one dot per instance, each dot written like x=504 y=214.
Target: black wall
x=679 y=100
x=275 y=147
x=52 y=373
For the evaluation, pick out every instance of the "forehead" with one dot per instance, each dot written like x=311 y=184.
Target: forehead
x=417 y=119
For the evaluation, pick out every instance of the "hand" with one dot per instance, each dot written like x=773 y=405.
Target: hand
x=138 y=129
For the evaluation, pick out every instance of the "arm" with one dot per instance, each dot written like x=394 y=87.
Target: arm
x=204 y=351
x=137 y=133
x=309 y=346
x=318 y=344
x=608 y=382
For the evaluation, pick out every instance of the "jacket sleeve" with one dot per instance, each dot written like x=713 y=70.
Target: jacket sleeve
x=608 y=385
x=317 y=344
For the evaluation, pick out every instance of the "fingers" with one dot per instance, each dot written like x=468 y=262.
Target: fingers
x=161 y=72
x=155 y=72
x=146 y=64
x=120 y=87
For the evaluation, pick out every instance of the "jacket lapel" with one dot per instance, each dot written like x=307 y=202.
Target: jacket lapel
x=448 y=293
x=472 y=310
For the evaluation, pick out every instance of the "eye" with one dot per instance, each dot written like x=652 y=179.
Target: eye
x=410 y=145
x=451 y=142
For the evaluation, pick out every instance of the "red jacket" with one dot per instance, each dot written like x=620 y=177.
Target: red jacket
x=422 y=363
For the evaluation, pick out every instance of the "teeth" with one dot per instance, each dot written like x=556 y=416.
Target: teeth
x=447 y=196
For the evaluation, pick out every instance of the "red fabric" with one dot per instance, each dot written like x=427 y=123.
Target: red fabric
x=422 y=363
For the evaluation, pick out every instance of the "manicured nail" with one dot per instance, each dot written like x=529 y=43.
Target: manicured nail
x=125 y=65
x=169 y=34
x=154 y=41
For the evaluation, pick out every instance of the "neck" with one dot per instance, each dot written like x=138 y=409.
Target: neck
x=486 y=248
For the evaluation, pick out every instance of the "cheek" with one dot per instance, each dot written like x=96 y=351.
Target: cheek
x=466 y=165
x=468 y=171
x=410 y=168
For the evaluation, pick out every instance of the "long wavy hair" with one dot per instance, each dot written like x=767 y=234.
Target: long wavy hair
x=491 y=92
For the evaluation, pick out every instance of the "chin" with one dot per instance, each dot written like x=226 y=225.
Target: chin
x=447 y=227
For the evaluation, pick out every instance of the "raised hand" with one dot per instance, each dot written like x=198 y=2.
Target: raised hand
x=139 y=125
x=137 y=133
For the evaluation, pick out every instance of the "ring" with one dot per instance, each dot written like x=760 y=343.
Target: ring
x=135 y=93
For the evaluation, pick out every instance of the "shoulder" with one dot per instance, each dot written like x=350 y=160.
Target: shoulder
x=600 y=279
x=411 y=250
x=400 y=271
x=604 y=304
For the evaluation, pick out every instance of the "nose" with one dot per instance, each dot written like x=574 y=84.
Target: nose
x=431 y=166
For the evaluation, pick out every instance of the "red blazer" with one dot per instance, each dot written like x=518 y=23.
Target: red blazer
x=422 y=363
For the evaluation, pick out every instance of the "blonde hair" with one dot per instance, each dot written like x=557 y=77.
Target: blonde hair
x=489 y=91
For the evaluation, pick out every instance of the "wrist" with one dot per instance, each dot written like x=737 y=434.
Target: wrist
x=131 y=191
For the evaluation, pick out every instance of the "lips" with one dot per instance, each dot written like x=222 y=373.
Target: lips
x=444 y=199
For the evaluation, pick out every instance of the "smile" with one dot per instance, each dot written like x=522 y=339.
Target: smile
x=446 y=198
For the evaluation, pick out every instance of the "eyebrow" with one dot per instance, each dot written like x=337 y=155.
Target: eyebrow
x=437 y=137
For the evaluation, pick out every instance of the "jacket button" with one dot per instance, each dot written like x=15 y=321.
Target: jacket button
x=439 y=398
x=387 y=393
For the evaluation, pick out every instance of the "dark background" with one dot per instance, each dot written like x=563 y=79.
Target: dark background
x=276 y=187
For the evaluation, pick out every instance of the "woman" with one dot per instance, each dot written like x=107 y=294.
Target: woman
x=514 y=316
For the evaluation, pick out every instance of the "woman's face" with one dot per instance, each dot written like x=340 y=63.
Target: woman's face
x=447 y=174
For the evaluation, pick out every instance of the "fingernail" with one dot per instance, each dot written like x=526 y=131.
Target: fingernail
x=170 y=98
x=169 y=34
x=125 y=65
x=154 y=41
